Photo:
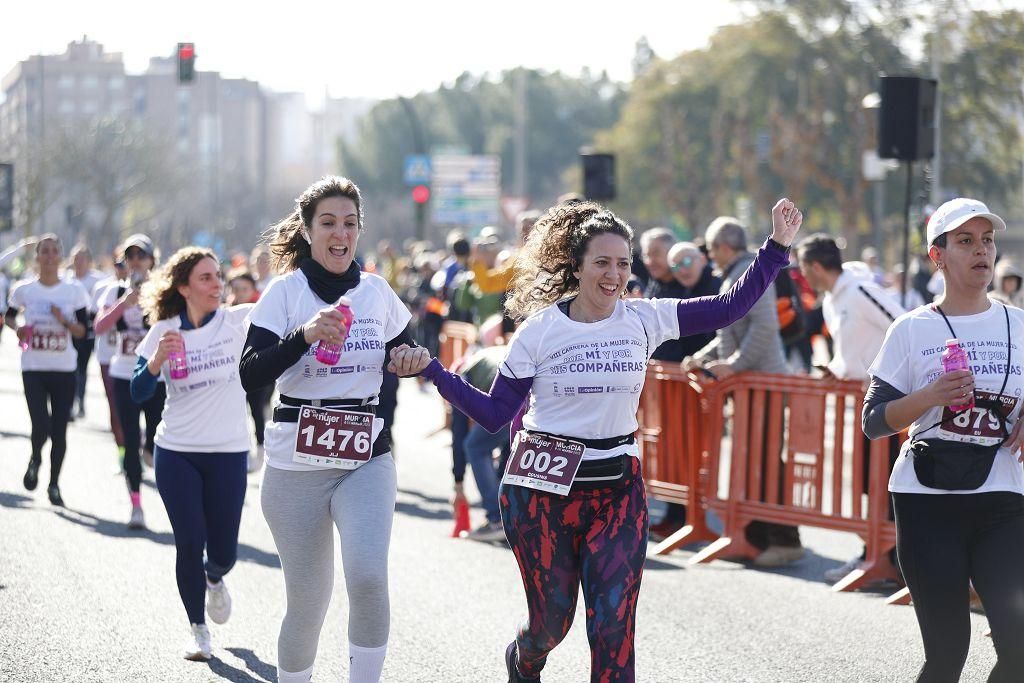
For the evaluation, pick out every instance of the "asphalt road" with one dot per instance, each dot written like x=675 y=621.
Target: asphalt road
x=84 y=599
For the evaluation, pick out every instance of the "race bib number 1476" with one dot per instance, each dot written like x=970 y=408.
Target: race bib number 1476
x=333 y=437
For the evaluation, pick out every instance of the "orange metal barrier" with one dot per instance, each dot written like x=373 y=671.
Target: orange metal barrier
x=794 y=453
x=672 y=443
x=455 y=338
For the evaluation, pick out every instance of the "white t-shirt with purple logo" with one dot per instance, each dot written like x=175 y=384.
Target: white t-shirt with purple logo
x=587 y=377
x=122 y=363
x=206 y=411
x=50 y=348
x=910 y=359
x=287 y=304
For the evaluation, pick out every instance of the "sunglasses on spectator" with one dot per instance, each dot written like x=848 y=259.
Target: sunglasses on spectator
x=684 y=262
x=133 y=253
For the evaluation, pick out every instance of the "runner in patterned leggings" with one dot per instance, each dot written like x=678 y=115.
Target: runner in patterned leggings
x=572 y=500
x=53 y=312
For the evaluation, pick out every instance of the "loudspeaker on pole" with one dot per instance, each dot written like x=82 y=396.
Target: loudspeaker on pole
x=906 y=117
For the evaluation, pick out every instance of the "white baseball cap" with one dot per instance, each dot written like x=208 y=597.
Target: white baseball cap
x=955 y=213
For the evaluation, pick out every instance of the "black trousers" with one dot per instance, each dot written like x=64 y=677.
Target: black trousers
x=84 y=347
x=129 y=411
x=946 y=541
x=49 y=396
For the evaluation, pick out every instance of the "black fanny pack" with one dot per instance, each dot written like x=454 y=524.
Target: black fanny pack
x=955 y=465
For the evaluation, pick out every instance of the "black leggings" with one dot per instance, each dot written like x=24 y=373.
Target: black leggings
x=49 y=422
x=129 y=411
x=84 y=347
x=945 y=541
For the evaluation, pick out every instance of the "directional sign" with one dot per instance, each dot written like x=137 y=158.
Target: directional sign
x=416 y=170
x=466 y=189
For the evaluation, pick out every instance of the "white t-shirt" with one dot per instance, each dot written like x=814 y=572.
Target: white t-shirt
x=122 y=363
x=910 y=359
x=287 y=304
x=105 y=343
x=89 y=282
x=50 y=348
x=587 y=377
x=206 y=411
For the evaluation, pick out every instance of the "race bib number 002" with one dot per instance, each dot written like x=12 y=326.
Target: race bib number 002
x=544 y=463
x=333 y=437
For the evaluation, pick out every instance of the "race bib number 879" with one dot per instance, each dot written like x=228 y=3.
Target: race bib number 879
x=333 y=437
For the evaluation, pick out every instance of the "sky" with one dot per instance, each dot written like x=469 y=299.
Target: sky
x=375 y=49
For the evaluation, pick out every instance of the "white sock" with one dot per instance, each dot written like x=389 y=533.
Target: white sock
x=297 y=677
x=365 y=663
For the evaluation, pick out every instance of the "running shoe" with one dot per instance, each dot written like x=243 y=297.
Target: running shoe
x=488 y=533
x=198 y=648
x=218 y=601
x=512 y=666
x=256 y=458
x=53 y=492
x=147 y=457
x=137 y=520
x=837 y=573
x=31 y=475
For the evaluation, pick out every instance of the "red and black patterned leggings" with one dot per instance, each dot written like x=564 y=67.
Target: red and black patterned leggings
x=595 y=538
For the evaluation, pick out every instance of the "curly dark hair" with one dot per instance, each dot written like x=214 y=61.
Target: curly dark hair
x=544 y=269
x=287 y=245
x=160 y=298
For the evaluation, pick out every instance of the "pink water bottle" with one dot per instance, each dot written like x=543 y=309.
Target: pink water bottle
x=326 y=352
x=955 y=358
x=27 y=342
x=178 y=363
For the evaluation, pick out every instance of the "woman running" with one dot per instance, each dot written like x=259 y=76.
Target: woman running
x=106 y=345
x=54 y=312
x=327 y=464
x=958 y=489
x=82 y=272
x=243 y=291
x=202 y=441
x=120 y=311
x=572 y=500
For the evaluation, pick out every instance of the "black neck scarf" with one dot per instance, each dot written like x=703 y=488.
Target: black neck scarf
x=327 y=285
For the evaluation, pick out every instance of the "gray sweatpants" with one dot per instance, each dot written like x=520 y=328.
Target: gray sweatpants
x=300 y=508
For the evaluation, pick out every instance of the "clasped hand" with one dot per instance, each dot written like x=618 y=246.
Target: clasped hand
x=408 y=360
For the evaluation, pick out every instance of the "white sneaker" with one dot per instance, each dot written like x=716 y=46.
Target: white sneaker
x=837 y=573
x=256 y=458
x=488 y=533
x=218 y=601
x=198 y=648
x=147 y=457
x=137 y=520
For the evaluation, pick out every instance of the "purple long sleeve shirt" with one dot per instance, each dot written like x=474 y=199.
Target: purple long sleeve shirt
x=507 y=395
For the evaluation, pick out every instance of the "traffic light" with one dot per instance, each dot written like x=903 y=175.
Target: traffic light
x=421 y=194
x=6 y=197
x=598 y=176
x=186 y=62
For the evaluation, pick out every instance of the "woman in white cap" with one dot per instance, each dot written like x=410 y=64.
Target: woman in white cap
x=120 y=311
x=958 y=487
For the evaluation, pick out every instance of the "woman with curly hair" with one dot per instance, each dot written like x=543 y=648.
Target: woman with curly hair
x=572 y=499
x=329 y=465
x=203 y=440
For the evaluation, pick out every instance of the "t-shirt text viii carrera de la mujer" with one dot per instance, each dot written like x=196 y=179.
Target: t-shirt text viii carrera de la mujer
x=587 y=377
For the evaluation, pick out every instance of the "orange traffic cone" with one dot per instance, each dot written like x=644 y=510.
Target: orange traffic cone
x=461 y=514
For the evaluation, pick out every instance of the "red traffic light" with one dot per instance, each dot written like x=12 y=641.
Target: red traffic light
x=421 y=194
x=186 y=50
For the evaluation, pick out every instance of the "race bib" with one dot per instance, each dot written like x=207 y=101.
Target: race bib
x=977 y=425
x=49 y=340
x=544 y=463
x=333 y=437
x=130 y=341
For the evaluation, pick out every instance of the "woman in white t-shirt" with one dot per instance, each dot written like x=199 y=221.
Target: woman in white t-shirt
x=120 y=311
x=106 y=344
x=327 y=462
x=203 y=439
x=958 y=487
x=572 y=500
x=54 y=312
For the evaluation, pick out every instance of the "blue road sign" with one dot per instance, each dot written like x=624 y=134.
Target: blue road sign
x=416 y=170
